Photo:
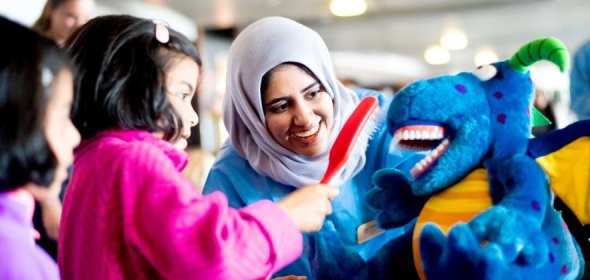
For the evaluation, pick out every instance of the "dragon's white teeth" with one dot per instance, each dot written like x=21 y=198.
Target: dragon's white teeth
x=429 y=159
x=434 y=153
x=419 y=134
x=419 y=166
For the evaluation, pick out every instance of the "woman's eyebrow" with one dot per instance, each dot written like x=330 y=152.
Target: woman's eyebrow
x=310 y=86
x=275 y=101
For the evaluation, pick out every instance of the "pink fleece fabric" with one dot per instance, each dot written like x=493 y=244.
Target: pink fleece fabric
x=129 y=213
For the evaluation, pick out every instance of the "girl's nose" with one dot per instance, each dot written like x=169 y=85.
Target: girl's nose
x=193 y=118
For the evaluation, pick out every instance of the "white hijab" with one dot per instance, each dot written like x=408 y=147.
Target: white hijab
x=260 y=47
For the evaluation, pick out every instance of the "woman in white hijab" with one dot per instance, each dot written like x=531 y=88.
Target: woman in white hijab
x=283 y=109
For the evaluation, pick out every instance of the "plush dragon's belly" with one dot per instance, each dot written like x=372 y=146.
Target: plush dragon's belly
x=457 y=204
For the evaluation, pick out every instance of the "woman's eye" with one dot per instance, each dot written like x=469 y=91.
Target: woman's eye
x=282 y=107
x=314 y=94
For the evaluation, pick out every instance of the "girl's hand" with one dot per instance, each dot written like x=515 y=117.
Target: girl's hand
x=308 y=206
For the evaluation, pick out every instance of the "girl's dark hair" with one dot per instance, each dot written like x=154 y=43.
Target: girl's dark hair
x=27 y=66
x=43 y=23
x=120 y=82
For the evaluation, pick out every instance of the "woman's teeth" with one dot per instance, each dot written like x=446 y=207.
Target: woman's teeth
x=309 y=132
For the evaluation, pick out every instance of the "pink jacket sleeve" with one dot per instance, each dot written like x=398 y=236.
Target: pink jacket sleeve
x=186 y=235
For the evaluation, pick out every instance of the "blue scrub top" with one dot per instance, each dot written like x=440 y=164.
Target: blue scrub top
x=243 y=186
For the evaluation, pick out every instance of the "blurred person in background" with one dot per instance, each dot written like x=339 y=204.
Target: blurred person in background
x=580 y=82
x=546 y=107
x=60 y=18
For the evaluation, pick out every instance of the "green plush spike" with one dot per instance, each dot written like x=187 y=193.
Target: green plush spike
x=538 y=118
x=555 y=51
x=549 y=49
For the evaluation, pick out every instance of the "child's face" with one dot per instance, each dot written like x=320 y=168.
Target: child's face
x=298 y=111
x=61 y=133
x=181 y=85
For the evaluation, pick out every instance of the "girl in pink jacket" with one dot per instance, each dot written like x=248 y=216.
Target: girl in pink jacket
x=128 y=212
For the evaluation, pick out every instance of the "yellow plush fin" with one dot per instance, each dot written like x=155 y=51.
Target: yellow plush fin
x=569 y=173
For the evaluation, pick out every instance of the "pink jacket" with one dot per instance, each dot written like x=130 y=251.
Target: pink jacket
x=129 y=213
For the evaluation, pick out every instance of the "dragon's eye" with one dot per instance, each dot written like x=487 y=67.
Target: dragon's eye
x=485 y=72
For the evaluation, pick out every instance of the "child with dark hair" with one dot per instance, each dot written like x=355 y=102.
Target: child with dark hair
x=36 y=143
x=128 y=211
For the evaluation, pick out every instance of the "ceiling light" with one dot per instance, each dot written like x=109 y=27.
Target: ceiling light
x=348 y=8
x=437 y=55
x=485 y=55
x=454 y=39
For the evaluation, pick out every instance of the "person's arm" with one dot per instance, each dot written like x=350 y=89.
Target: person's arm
x=182 y=233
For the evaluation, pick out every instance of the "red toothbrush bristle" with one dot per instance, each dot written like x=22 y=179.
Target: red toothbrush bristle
x=345 y=141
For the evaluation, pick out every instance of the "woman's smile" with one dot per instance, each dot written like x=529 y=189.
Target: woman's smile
x=307 y=136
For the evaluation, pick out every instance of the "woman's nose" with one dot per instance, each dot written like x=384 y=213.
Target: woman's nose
x=303 y=115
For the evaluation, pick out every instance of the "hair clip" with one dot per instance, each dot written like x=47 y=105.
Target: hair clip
x=161 y=31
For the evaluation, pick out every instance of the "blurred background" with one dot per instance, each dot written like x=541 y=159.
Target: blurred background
x=381 y=44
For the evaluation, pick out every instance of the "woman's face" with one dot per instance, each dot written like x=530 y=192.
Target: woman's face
x=181 y=85
x=68 y=16
x=298 y=111
x=61 y=133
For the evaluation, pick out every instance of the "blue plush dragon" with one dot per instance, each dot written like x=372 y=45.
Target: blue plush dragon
x=483 y=205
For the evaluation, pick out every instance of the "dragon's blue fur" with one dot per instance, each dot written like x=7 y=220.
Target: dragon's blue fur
x=488 y=122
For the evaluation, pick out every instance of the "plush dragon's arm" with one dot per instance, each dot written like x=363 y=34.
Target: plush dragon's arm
x=393 y=199
x=521 y=191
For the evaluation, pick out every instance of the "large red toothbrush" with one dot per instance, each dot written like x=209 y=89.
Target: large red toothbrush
x=360 y=125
